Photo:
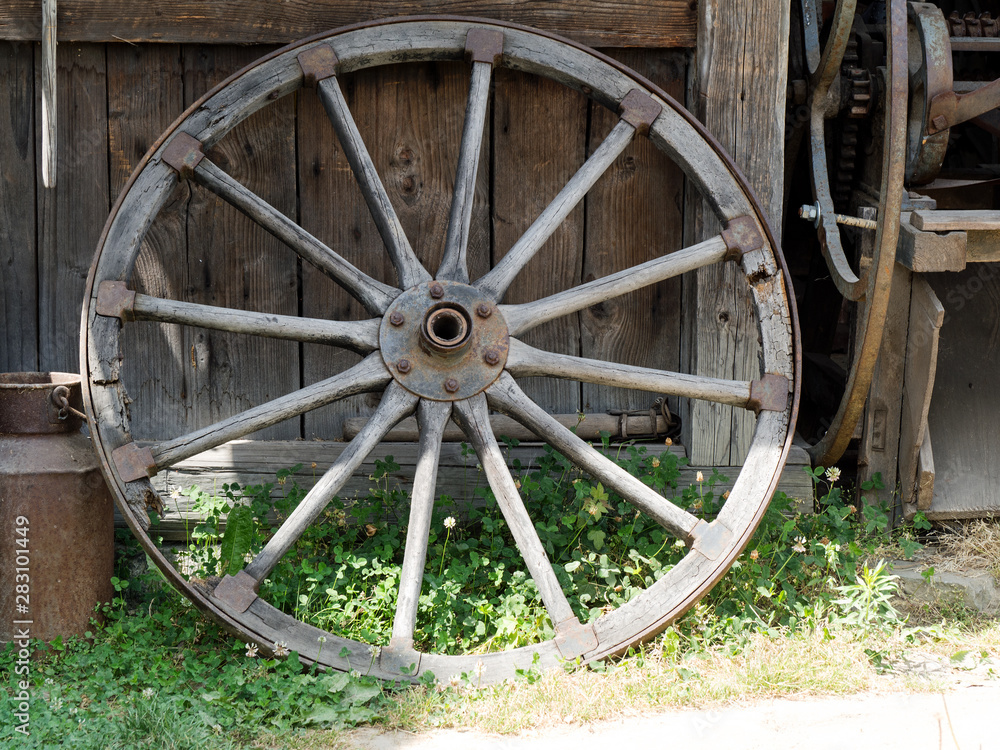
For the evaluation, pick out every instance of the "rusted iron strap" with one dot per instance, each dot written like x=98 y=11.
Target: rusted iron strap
x=949 y=109
x=115 y=300
x=237 y=592
x=573 y=638
x=134 y=462
x=183 y=153
x=318 y=63
x=741 y=236
x=711 y=540
x=484 y=45
x=770 y=393
x=639 y=110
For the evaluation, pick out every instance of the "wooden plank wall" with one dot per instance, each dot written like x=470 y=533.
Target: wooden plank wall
x=117 y=98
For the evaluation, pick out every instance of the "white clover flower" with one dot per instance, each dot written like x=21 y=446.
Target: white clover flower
x=679 y=543
x=148 y=693
x=449 y=522
x=281 y=649
x=322 y=639
x=374 y=651
x=480 y=668
x=455 y=681
x=832 y=474
x=251 y=650
x=175 y=493
x=699 y=477
x=800 y=544
x=49 y=681
x=56 y=704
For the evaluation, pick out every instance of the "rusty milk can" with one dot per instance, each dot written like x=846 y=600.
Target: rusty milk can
x=56 y=514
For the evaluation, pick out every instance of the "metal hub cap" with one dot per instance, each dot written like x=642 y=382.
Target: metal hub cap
x=444 y=340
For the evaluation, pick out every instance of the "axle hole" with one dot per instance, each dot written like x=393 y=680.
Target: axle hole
x=446 y=327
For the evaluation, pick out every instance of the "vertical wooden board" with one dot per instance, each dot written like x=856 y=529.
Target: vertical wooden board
x=540 y=139
x=71 y=215
x=232 y=262
x=634 y=214
x=879 y=449
x=966 y=401
x=145 y=95
x=411 y=119
x=926 y=319
x=18 y=280
x=739 y=93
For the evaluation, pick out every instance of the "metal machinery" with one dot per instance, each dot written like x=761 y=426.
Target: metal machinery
x=901 y=173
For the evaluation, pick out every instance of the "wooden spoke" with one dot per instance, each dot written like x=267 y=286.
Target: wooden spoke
x=524 y=317
x=396 y=404
x=373 y=294
x=368 y=375
x=505 y=396
x=527 y=361
x=360 y=336
x=433 y=417
x=473 y=417
x=408 y=269
x=454 y=265
x=495 y=282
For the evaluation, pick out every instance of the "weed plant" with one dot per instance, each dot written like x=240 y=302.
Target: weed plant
x=162 y=676
x=343 y=574
x=159 y=675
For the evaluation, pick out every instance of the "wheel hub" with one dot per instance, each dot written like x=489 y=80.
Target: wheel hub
x=444 y=340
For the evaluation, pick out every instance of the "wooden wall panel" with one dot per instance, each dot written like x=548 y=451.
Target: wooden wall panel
x=411 y=120
x=71 y=215
x=232 y=262
x=540 y=140
x=145 y=94
x=18 y=247
x=662 y=23
x=739 y=93
x=634 y=214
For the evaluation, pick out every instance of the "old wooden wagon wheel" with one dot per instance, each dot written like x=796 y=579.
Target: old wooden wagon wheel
x=869 y=287
x=440 y=345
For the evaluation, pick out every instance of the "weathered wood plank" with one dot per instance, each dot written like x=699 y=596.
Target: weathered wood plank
x=252 y=462
x=965 y=401
x=232 y=262
x=18 y=250
x=878 y=452
x=411 y=121
x=926 y=318
x=145 y=94
x=929 y=252
x=739 y=94
x=71 y=215
x=956 y=220
x=663 y=23
x=539 y=142
x=634 y=214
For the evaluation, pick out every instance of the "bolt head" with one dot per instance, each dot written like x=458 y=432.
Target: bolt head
x=491 y=357
x=436 y=290
x=483 y=310
x=403 y=366
x=451 y=385
x=396 y=318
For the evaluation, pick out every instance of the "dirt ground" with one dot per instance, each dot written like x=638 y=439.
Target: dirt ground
x=964 y=717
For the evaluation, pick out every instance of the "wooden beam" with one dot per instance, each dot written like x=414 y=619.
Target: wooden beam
x=255 y=462
x=930 y=252
x=926 y=319
x=628 y=23
x=739 y=87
